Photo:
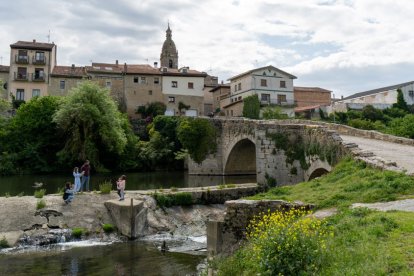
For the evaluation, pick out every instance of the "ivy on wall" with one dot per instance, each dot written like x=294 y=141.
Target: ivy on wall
x=198 y=136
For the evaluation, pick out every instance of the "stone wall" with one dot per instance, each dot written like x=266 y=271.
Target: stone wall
x=225 y=236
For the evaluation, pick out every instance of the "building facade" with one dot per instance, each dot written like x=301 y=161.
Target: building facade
x=272 y=85
x=30 y=66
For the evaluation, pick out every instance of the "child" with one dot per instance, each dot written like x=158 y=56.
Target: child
x=120 y=186
x=77 y=176
x=68 y=193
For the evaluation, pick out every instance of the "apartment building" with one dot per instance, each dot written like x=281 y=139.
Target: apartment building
x=272 y=85
x=30 y=66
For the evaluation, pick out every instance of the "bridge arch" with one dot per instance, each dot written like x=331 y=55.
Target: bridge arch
x=241 y=158
x=317 y=169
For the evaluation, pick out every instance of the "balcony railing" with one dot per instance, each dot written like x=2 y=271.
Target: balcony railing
x=38 y=77
x=21 y=59
x=20 y=76
x=287 y=103
x=39 y=60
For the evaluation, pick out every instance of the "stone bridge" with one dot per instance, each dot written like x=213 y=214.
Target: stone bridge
x=278 y=152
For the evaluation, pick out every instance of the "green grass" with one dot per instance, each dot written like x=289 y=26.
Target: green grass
x=105 y=187
x=4 y=243
x=40 y=204
x=351 y=181
x=108 y=228
x=39 y=193
x=177 y=199
x=78 y=232
x=365 y=242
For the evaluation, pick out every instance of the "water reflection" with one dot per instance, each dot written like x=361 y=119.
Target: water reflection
x=132 y=258
x=16 y=184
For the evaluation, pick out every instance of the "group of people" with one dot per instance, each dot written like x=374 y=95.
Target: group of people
x=81 y=183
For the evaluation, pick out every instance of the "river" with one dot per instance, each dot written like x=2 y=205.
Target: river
x=18 y=184
x=129 y=258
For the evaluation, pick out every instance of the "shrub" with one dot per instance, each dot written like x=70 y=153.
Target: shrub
x=251 y=107
x=7 y=195
x=4 y=243
x=60 y=190
x=169 y=200
x=289 y=243
x=40 y=204
x=231 y=185
x=78 y=232
x=361 y=124
x=39 y=193
x=269 y=113
x=221 y=186
x=105 y=187
x=173 y=189
x=20 y=194
x=108 y=228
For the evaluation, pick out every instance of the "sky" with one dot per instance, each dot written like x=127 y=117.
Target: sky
x=344 y=46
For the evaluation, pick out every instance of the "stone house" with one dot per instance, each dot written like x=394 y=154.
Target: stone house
x=272 y=85
x=217 y=94
x=64 y=78
x=31 y=63
x=4 y=78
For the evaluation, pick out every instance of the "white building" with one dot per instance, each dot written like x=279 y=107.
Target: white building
x=379 y=98
x=183 y=86
x=272 y=85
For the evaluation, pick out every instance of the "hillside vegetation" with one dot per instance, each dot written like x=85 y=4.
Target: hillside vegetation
x=360 y=241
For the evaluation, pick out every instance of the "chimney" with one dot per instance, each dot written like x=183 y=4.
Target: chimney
x=125 y=68
x=34 y=40
x=222 y=82
x=73 y=66
x=342 y=97
x=155 y=64
x=116 y=62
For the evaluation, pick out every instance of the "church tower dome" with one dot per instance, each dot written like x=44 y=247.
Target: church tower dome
x=169 y=54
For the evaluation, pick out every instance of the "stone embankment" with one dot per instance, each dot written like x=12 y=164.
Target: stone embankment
x=137 y=216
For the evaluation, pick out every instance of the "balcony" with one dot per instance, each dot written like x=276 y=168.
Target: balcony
x=20 y=76
x=39 y=60
x=276 y=102
x=21 y=59
x=38 y=77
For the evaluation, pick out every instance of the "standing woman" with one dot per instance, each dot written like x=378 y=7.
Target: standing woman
x=77 y=175
x=120 y=185
x=85 y=169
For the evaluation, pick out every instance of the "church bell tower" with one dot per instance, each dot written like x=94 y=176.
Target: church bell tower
x=169 y=54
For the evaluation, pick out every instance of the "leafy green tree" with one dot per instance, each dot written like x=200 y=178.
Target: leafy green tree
x=198 y=136
x=403 y=126
x=273 y=113
x=152 y=109
x=371 y=113
x=31 y=139
x=251 y=107
x=92 y=125
x=401 y=103
x=395 y=112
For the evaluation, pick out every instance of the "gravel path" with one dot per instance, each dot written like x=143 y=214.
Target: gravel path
x=403 y=155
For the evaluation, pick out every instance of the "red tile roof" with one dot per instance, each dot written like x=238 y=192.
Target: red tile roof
x=32 y=45
x=69 y=71
x=108 y=68
x=142 y=69
x=311 y=89
x=4 y=68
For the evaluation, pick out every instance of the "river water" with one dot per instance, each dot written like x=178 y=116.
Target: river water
x=82 y=258
x=127 y=258
x=17 y=184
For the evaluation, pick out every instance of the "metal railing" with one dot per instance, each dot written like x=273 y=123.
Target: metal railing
x=39 y=77
x=21 y=59
x=20 y=76
x=39 y=60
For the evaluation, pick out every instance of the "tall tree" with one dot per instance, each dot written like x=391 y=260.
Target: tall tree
x=251 y=107
x=401 y=103
x=92 y=125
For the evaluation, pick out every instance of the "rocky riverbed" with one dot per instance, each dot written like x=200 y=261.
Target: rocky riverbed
x=21 y=223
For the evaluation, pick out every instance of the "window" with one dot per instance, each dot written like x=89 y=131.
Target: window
x=282 y=84
x=35 y=93
x=40 y=57
x=411 y=93
x=239 y=86
x=108 y=84
x=150 y=92
x=136 y=79
x=22 y=56
x=171 y=99
x=156 y=80
x=190 y=85
x=39 y=74
x=170 y=63
x=143 y=80
x=265 y=98
x=263 y=82
x=20 y=94
x=235 y=88
x=62 y=84
x=174 y=84
x=22 y=73
x=281 y=98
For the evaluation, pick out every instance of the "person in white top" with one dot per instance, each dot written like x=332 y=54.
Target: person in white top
x=120 y=186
